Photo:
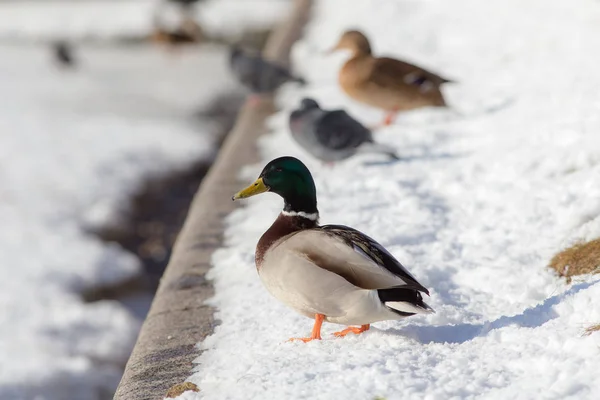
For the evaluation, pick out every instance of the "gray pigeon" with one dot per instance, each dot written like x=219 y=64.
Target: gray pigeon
x=258 y=74
x=332 y=135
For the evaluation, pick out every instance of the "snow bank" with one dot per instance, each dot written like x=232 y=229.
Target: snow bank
x=236 y=17
x=487 y=192
x=89 y=19
x=73 y=146
x=114 y=19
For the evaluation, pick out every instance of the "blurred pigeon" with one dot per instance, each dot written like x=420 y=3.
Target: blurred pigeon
x=63 y=53
x=258 y=74
x=332 y=135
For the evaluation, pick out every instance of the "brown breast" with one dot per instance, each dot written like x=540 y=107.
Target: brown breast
x=283 y=226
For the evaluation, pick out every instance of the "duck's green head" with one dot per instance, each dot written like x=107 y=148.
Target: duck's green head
x=289 y=178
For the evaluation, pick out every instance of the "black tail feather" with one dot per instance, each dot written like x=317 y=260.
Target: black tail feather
x=402 y=294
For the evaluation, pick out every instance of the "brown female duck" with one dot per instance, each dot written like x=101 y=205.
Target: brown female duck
x=386 y=83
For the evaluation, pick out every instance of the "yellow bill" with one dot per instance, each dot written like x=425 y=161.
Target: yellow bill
x=257 y=187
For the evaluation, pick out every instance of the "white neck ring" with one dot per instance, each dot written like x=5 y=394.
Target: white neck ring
x=311 y=216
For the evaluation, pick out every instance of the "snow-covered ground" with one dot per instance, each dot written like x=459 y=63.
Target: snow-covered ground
x=75 y=19
x=44 y=20
x=73 y=146
x=235 y=17
x=487 y=193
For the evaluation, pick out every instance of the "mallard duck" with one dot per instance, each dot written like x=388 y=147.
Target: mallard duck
x=332 y=135
x=386 y=83
x=330 y=273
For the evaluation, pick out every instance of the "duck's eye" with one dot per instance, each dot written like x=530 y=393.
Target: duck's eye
x=278 y=169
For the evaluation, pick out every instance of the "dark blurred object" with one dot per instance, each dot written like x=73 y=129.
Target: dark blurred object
x=184 y=3
x=62 y=52
x=257 y=74
x=187 y=31
x=186 y=7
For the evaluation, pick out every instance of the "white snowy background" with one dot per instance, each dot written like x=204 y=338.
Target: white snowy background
x=107 y=20
x=74 y=145
x=487 y=192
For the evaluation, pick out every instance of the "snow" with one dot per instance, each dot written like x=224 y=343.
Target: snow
x=235 y=17
x=487 y=193
x=74 y=145
x=116 y=19
x=98 y=19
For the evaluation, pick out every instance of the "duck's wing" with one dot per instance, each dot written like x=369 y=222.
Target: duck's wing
x=373 y=252
x=389 y=72
x=338 y=130
x=354 y=256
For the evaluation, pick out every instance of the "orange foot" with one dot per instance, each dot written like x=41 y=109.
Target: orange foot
x=304 y=339
x=390 y=118
x=316 y=332
x=352 y=329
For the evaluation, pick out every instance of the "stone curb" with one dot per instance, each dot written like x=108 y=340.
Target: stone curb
x=179 y=318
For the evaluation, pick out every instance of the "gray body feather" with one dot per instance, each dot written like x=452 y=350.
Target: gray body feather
x=332 y=135
x=258 y=74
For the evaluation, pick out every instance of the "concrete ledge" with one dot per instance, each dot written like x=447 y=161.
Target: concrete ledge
x=178 y=318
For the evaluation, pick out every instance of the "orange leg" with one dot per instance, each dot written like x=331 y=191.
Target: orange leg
x=316 y=331
x=254 y=99
x=389 y=118
x=352 y=329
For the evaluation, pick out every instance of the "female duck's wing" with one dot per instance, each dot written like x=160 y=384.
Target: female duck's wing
x=374 y=252
x=353 y=255
x=389 y=72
